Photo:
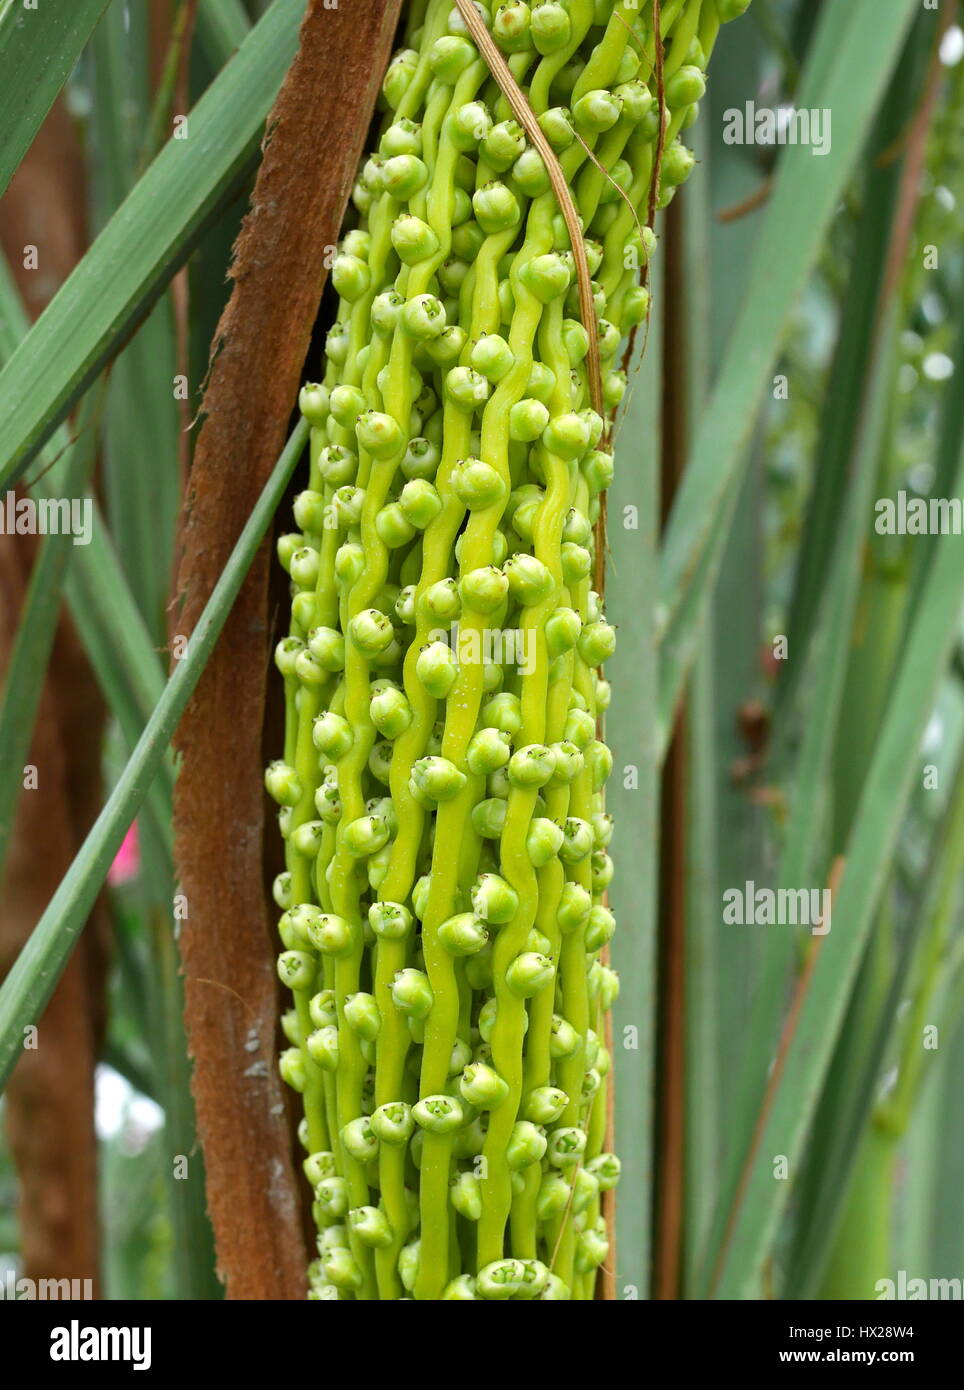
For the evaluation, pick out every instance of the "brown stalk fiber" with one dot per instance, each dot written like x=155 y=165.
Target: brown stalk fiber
x=315 y=137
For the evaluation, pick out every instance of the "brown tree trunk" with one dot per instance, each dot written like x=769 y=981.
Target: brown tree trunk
x=316 y=133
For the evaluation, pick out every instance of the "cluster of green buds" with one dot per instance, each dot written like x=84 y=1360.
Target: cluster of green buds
x=443 y=910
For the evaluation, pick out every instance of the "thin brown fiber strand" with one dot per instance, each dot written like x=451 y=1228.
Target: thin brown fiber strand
x=315 y=137
x=526 y=117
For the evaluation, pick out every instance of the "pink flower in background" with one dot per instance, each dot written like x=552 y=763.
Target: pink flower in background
x=127 y=862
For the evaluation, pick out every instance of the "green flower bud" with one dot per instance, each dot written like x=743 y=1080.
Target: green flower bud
x=296 y=969
x=600 y=760
x=331 y=1195
x=281 y=890
x=463 y=934
x=535 y=1280
x=496 y=207
x=350 y=277
x=423 y=317
x=483 y=1087
x=304 y=567
x=438 y=1114
x=283 y=784
x=550 y=26
x=449 y=56
x=592 y=1247
x=576 y=563
x=390 y=921
x=347 y=403
x=602 y=870
x=286 y=655
x=553 y=1198
x=543 y=841
x=400 y=72
x=306 y=838
x=336 y=343
x=600 y=928
x=527 y=420
x=392 y=1123
x=337 y=465
x=380 y=761
x=366 y=835
x=460 y=1290
x=402 y=137
x=314 y=404
x=567 y=436
x=580 y=728
x=362 y=1016
x=527 y=1145
x=556 y=126
x=349 y=565
x=731 y=9
x=494 y=900
x=636 y=98
x=530 y=581
x=596 y=111
x=575 y=906
x=408 y=1265
x=420 y=461
x=466 y=388
x=304 y=610
x=564 y=1039
x=484 y=590
x=379 y=434
x=488 y=818
x=390 y=712
x=510 y=27
x=309 y=511
x=501 y=1280
x=476 y=484
x=413 y=239
x=371 y=1226
x=531 y=766
x=359 y=1139
x=438 y=779
x=530 y=174
x=547 y=276
x=437 y=669
x=322 y=1047
x=348 y=502
x=385 y=311
x=465 y=1194
x=319 y=1166
x=468 y=126
x=332 y=734
x=332 y=935
x=393 y=527
x=585 y=1189
x=529 y=973
x=577 y=841
x=492 y=356
x=442 y=601
x=370 y=631
x=503 y=712
x=412 y=993
x=545 y=1104
x=566 y=1147
x=686 y=86
x=503 y=144
x=405 y=606
x=322 y=1006
x=614 y=388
